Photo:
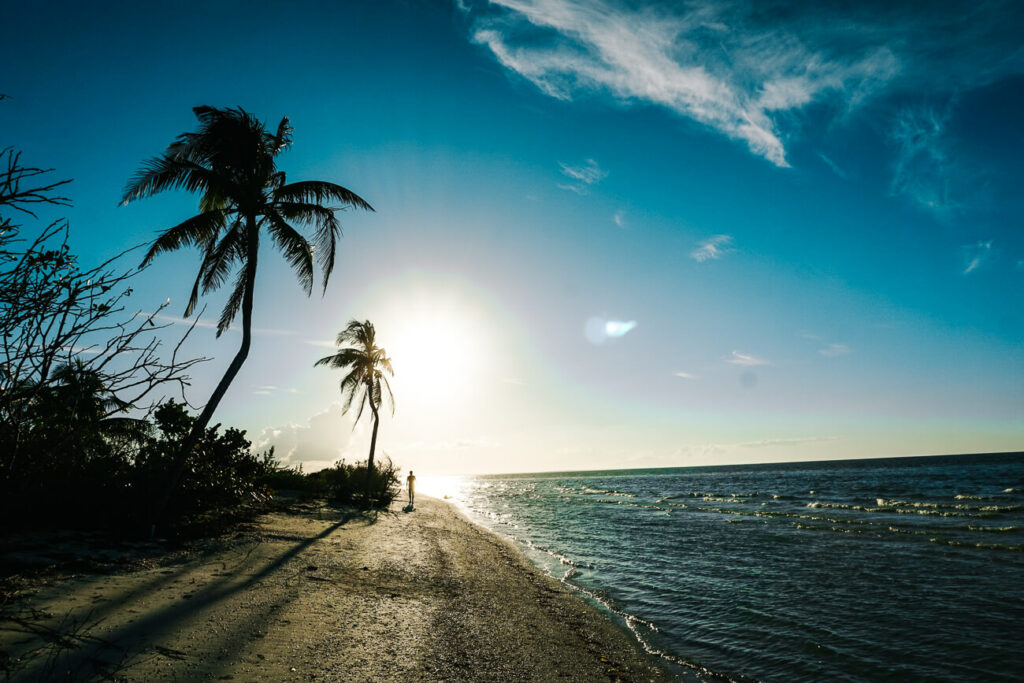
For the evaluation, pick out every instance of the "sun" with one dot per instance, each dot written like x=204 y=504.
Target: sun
x=436 y=349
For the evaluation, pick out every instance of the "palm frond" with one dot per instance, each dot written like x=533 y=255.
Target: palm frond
x=295 y=247
x=169 y=171
x=199 y=229
x=362 y=405
x=233 y=304
x=320 y=191
x=391 y=396
x=283 y=137
x=218 y=261
x=193 y=299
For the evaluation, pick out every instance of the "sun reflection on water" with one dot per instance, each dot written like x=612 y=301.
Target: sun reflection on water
x=448 y=488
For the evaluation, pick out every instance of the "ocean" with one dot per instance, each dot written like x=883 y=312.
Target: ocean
x=886 y=569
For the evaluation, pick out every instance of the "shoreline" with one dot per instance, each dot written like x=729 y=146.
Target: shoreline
x=320 y=593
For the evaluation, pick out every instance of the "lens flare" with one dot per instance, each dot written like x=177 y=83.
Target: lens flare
x=598 y=329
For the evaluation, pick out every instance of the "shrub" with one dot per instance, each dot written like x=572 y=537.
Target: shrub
x=347 y=483
x=221 y=471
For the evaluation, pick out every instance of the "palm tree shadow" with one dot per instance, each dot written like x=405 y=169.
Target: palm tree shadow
x=84 y=655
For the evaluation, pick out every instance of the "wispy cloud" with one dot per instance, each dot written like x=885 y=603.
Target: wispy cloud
x=834 y=166
x=835 y=350
x=741 y=68
x=619 y=218
x=746 y=360
x=712 y=248
x=323 y=343
x=977 y=255
x=583 y=176
x=176 y=320
x=922 y=169
x=794 y=441
x=684 y=375
x=713 y=63
x=270 y=389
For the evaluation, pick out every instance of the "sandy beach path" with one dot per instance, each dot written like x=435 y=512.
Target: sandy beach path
x=320 y=594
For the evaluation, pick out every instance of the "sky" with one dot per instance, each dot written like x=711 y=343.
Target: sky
x=608 y=234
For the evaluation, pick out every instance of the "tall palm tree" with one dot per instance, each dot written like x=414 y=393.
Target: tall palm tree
x=364 y=382
x=230 y=161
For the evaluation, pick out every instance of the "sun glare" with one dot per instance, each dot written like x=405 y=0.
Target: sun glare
x=436 y=351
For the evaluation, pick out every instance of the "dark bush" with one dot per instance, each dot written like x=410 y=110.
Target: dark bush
x=221 y=471
x=346 y=484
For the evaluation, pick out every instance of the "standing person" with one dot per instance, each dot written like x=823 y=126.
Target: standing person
x=411 y=483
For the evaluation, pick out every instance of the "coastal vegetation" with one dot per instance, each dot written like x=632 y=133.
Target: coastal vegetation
x=231 y=163
x=96 y=428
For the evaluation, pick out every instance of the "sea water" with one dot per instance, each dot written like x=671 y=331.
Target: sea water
x=894 y=569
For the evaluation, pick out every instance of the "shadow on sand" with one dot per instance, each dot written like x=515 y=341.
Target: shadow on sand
x=70 y=649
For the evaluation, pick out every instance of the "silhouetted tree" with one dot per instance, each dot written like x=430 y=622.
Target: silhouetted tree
x=55 y=314
x=364 y=381
x=231 y=163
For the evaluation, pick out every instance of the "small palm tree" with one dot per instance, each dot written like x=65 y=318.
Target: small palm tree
x=231 y=163
x=89 y=416
x=365 y=381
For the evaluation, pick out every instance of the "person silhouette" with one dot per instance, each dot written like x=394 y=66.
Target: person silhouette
x=411 y=482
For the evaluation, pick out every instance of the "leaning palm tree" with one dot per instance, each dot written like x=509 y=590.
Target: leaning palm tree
x=364 y=382
x=230 y=161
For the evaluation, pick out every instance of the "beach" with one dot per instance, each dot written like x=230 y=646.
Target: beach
x=321 y=593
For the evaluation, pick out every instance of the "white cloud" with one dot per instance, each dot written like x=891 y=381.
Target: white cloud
x=684 y=375
x=743 y=68
x=619 y=218
x=835 y=350
x=585 y=175
x=976 y=255
x=712 y=248
x=322 y=440
x=713 y=64
x=746 y=360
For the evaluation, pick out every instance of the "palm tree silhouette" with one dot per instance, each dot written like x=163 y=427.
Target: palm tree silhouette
x=230 y=162
x=365 y=381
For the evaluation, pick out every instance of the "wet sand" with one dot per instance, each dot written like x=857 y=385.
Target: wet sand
x=321 y=594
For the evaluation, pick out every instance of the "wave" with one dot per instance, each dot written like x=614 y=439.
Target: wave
x=980 y=511
x=634 y=624
x=818 y=527
x=882 y=502
x=985 y=546
x=584 y=490
x=562 y=559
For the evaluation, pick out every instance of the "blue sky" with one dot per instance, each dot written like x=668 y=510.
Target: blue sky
x=637 y=234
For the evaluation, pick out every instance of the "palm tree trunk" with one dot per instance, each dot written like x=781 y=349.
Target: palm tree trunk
x=199 y=426
x=373 y=446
